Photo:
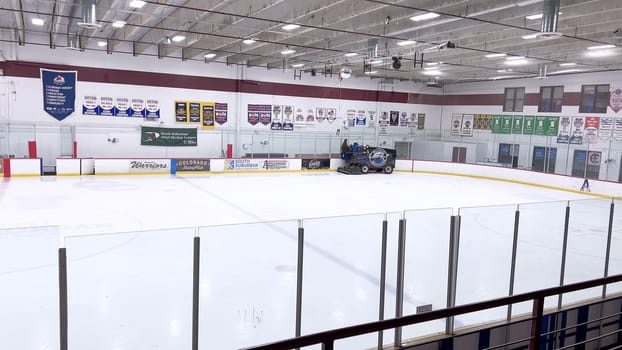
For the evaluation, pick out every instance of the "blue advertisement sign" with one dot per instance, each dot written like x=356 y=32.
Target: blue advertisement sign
x=59 y=92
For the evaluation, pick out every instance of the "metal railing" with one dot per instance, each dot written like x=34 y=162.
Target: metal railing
x=328 y=338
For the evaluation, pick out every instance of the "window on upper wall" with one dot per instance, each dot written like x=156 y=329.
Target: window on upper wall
x=514 y=98
x=594 y=98
x=551 y=98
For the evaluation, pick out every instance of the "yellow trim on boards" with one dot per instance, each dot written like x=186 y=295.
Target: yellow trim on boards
x=154 y=173
x=24 y=175
x=69 y=174
x=516 y=182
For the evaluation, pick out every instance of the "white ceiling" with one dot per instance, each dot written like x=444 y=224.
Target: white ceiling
x=330 y=28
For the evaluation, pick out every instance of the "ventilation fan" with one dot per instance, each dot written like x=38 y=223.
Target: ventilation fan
x=345 y=73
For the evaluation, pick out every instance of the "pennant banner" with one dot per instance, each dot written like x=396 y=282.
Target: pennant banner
x=59 y=92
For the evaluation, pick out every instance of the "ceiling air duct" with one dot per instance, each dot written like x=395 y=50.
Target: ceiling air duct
x=550 y=16
x=372 y=47
x=73 y=40
x=541 y=72
x=89 y=16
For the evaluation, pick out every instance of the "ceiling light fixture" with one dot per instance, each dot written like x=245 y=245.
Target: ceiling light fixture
x=517 y=62
x=168 y=40
x=513 y=58
x=298 y=65
x=601 y=47
x=424 y=16
x=495 y=55
x=137 y=4
x=249 y=41
x=537 y=16
x=102 y=43
x=287 y=51
x=433 y=63
x=118 y=24
x=530 y=36
x=178 y=38
x=371 y=72
x=37 y=21
x=406 y=42
x=567 y=64
x=432 y=72
x=209 y=55
x=350 y=54
x=290 y=27
x=574 y=70
x=600 y=53
x=375 y=62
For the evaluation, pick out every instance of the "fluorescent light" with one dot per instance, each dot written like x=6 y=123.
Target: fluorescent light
x=517 y=62
x=512 y=58
x=430 y=68
x=102 y=43
x=118 y=24
x=249 y=41
x=600 y=53
x=37 y=21
x=290 y=27
x=287 y=51
x=567 y=64
x=600 y=47
x=375 y=62
x=432 y=63
x=137 y=4
x=350 y=54
x=406 y=42
x=178 y=38
x=537 y=16
x=530 y=36
x=495 y=55
x=209 y=55
x=298 y=65
x=565 y=71
x=424 y=16
x=371 y=72
x=501 y=77
x=432 y=72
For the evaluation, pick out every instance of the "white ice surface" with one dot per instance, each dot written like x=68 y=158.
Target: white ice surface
x=132 y=290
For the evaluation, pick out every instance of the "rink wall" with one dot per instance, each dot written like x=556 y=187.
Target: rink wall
x=173 y=166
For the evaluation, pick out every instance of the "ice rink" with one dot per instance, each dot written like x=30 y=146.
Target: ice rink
x=132 y=289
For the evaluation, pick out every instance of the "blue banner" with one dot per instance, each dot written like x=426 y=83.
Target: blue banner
x=59 y=92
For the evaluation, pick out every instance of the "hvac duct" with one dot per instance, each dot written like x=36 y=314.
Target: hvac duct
x=542 y=71
x=73 y=40
x=550 y=15
x=89 y=16
x=372 y=47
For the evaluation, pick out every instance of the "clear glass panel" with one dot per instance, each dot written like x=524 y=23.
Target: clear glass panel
x=587 y=245
x=341 y=275
x=425 y=271
x=391 y=272
x=29 y=288
x=484 y=262
x=615 y=259
x=130 y=290
x=248 y=284
x=539 y=250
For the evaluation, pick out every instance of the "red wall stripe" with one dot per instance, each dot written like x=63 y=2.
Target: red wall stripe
x=118 y=76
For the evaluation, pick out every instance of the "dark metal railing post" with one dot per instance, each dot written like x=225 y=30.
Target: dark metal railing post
x=536 y=322
x=399 y=293
x=452 y=269
x=513 y=263
x=195 y=292
x=328 y=345
x=608 y=250
x=383 y=275
x=62 y=297
x=564 y=251
x=301 y=243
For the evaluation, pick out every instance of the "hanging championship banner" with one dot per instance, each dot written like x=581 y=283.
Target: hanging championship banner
x=320 y=114
x=541 y=125
x=288 y=118
x=590 y=133
x=138 y=106
x=154 y=136
x=122 y=107
x=265 y=115
x=361 y=119
x=372 y=118
x=404 y=119
x=222 y=111
x=496 y=124
x=394 y=118
x=181 y=111
x=553 y=126
x=420 y=121
x=90 y=106
x=576 y=135
x=617 y=129
x=309 y=118
x=152 y=110
x=331 y=115
x=529 y=124
x=482 y=122
x=412 y=124
x=506 y=124
x=615 y=100
x=255 y=112
x=517 y=124
x=467 y=125
x=276 y=118
x=563 y=136
x=106 y=104
x=606 y=128
x=59 y=92
x=207 y=115
x=383 y=122
x=194 y=112
x=456 y=124
x=350 y=117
